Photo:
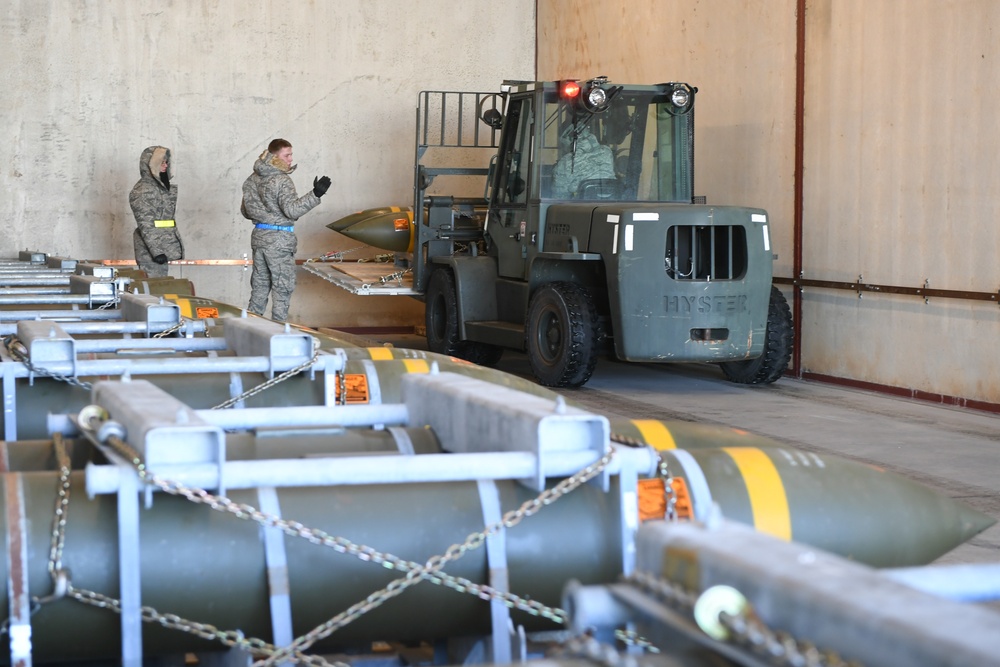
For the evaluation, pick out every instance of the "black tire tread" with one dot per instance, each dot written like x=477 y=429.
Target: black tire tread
x=442 y=286
x=773 y=362
x=584 y=331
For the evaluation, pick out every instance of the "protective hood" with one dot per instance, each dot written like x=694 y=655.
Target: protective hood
x=150 y=161
x=268 y=164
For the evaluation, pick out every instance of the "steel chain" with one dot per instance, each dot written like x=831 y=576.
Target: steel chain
x=232 y=638
x=19 y=352
x=335 y=256
x=396 y=275
x=63 y=588
x=415 y=572
x=633 y=638
x=746 y=629
x=381 y=258
x=629 y=441
x=780 y=648
x=278 y=379
x=662 y=471
x=61 y=512
x=177 y=327
x=436 y=563
x=113 y=303
x=589 y=648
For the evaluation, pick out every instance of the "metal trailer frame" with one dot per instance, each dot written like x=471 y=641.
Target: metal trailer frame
x=505 y=434
x=789 y=597
x=488 y=433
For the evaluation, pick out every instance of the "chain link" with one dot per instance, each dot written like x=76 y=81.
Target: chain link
x=663 y=471
x=381 y=258
x=436 y=563
x=779 y=648
x=232 y=638
x=626 y=440
x=278 y=379
x=633 y=638
x=63 y=588
x=388 y=278
x=589 y=648
x=335 y=256
x=62 y=509
x=19 y=352
x=396 y=275
x=113 y=303
x=415 y=572
x=177 y=327
x=745 y=629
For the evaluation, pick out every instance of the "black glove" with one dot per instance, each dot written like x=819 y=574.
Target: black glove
x=160 y=259
x=321 y=185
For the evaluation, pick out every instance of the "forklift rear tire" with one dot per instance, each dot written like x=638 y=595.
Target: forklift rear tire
x=773 y=361
x=441 y=321
x=562 y=335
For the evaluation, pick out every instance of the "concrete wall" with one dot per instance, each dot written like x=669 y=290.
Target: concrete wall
x=901 y=182
x=87 y=86
x=902 y=187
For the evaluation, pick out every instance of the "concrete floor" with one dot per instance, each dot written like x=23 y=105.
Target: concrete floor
x=952 y=450
x=955 y=451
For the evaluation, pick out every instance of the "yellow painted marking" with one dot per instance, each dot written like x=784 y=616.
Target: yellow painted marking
x=655 y=433
x=416 y=366
x=185 y=304
x=768 y=501
x=380 y=353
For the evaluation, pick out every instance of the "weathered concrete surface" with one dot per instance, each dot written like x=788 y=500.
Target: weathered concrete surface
x=87 y=86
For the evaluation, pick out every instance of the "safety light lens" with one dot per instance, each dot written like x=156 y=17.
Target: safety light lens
x=571 y=89
x=680 y=97
x=597 y=97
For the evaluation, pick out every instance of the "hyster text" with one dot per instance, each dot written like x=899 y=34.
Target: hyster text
x=732 y=303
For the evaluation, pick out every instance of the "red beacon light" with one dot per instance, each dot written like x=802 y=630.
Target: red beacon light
x=570 y=89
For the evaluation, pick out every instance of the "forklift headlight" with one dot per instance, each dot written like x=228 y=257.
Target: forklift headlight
x=680 y=97
x=597 y=98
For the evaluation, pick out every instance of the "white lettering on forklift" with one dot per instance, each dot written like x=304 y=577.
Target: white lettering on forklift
x=613 y=218
x=758 y=217
x=686 y=305
x=767 y=240
x=628 y=238
x=636 y=217
x=614 y=241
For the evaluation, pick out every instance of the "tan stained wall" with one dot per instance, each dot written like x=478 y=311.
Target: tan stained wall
x=87 y=86
x=902 y=187
x=900 y=180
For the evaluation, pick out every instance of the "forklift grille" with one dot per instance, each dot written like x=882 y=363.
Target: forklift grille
x=706 y=252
